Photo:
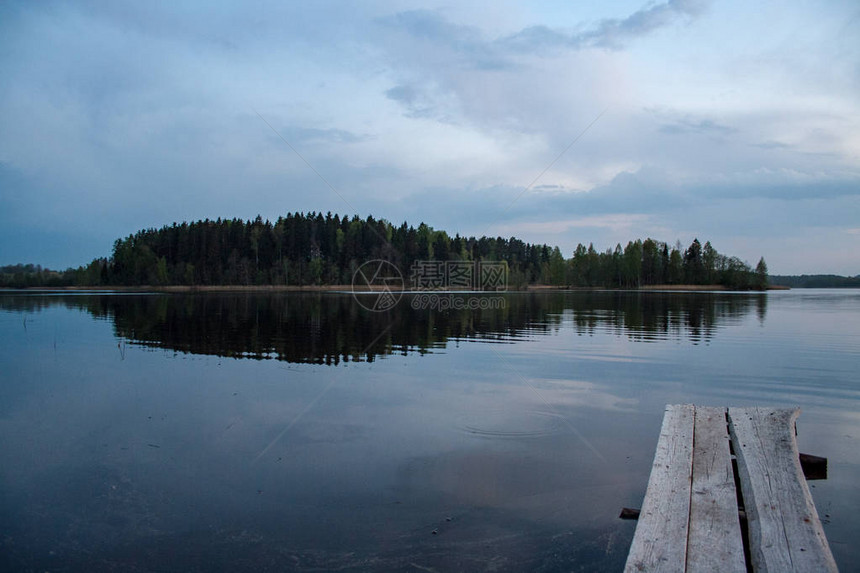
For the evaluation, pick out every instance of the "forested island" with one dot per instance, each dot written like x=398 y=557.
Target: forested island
x=306 y=249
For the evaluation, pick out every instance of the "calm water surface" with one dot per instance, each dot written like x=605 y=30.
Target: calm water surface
x=302 y=432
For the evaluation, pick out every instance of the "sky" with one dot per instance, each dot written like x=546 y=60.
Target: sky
x=555 y=122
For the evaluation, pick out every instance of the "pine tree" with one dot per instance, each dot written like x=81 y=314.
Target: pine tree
x=761 y=275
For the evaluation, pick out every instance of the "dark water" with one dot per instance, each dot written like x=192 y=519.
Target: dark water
x=303 y=432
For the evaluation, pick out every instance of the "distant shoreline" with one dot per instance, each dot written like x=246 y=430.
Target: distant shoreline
x=350 y=288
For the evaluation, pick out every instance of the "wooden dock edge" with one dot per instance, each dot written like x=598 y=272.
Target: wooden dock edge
x=708 y=510
x=662 y=530
x=785 y=533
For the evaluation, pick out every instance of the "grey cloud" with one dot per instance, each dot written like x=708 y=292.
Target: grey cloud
x=403 y=94
x=645 y=191
x=538 y=38
x=417 y=103
x=820 y=189
x=496 y=54
x=649 y=193
x=652 y=206
x=702 y=126
x=612 y=33
x=467 y=44
x=609 y=33
x=431 y=25
x=432 y=51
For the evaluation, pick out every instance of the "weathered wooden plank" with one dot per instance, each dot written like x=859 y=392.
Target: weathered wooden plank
x=660 y=541
x=785 y=533
x=715 y=542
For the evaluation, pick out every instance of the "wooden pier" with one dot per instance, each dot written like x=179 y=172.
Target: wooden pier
x=727 y=493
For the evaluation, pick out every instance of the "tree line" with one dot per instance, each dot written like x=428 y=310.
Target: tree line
x=302 y=249
x=816 y=281
x=30 y=275
x=650 y=262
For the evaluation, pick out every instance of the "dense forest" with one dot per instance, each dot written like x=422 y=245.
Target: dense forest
x=314 y=249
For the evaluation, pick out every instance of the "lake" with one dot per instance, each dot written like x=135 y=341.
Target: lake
x=302 y=431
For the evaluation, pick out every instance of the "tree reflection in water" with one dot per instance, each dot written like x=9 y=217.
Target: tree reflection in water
x=330 y=328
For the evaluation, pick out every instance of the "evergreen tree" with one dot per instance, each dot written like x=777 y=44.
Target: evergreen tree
x=675 y=271
x=693 y=267
x=761 y=275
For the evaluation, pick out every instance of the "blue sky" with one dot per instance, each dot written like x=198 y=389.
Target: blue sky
x=737 y=122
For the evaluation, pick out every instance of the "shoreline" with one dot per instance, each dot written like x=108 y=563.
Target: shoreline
x=351 y=288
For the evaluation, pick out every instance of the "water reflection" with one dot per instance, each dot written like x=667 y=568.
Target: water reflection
x=514 y=452
x=329 y=328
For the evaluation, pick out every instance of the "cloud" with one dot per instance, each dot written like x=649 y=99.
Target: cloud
x=675 y=122
x=702 y=126
x=298 y=135
x=474 y=49
x=122 y=116
x=431 y=25
x=738 y=218
x=612 y=33
x=404 y=94
x=416 y=101
x=458 y=44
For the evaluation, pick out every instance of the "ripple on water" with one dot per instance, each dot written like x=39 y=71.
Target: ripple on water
x=508 y=424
